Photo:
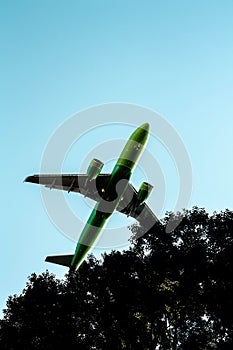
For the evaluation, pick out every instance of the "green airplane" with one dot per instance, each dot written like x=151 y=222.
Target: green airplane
x=110 y=191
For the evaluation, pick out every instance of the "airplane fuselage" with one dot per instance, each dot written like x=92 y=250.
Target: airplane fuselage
x=111 y=195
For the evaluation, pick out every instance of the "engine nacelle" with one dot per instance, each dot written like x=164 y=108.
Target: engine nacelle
x=144 y=191
x=94 y=169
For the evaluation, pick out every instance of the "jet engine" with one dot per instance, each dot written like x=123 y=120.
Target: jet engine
x=94 y=169
x=144 y=191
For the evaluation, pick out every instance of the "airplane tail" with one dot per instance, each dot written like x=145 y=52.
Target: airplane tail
x=64 y=260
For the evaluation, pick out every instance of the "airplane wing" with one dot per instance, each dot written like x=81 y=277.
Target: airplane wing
x=73 y=183
x=142 y=213
x=93 y=189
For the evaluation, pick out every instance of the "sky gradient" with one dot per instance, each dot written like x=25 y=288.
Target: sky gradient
x=59 y=57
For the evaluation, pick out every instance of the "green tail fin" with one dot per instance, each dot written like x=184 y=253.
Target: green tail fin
x=64 y=260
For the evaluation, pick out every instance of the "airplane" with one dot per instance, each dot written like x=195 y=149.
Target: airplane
x=110 y=191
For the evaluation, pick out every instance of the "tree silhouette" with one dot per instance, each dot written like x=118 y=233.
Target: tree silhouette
x=168 y=291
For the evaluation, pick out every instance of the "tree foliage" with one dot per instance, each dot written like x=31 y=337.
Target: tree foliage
x=168 y=291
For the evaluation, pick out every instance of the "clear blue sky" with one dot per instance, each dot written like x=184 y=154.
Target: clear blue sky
x=58 y=57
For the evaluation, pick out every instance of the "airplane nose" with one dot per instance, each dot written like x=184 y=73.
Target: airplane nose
x=145 y=127
x=134 y=146
x=141 y=133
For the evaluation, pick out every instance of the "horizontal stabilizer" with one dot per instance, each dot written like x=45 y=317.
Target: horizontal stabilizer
x=64 y=260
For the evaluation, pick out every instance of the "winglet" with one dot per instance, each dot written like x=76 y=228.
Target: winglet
x=33 y=179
